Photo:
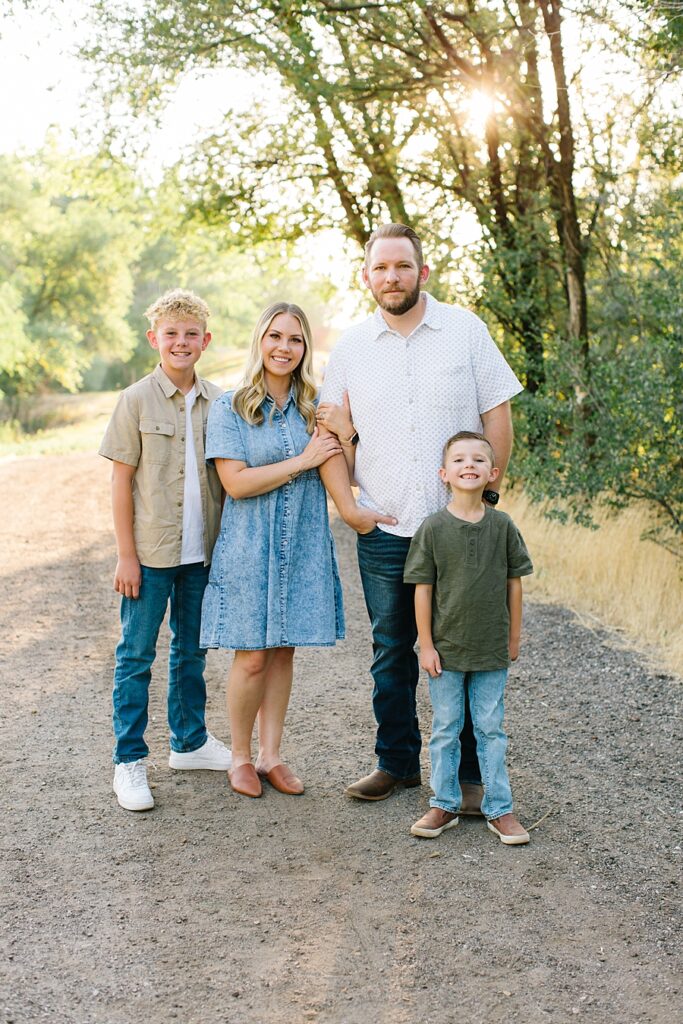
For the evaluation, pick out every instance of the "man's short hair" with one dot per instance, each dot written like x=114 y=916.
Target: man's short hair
x=177 y=305
x=395 y=231
x=467 y=435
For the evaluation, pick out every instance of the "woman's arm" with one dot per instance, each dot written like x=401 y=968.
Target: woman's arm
x=429 y=658
x=243 y=481
x=515 y=610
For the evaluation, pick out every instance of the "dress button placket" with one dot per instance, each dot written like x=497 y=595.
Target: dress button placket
x=286 y=442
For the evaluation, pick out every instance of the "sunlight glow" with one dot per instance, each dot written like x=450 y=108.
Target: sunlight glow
x=480 y=106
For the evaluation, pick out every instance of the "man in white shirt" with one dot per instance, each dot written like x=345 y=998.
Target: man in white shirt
x=416 y=372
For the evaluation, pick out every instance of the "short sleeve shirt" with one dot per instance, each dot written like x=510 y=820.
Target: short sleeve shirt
x=408 y=396
x=148 y=430
x=469 y=565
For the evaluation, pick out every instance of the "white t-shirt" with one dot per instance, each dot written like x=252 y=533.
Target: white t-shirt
x=192 y=549
x=408 y=396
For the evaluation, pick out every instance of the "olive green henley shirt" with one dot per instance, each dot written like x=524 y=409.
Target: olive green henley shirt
x=469 y=565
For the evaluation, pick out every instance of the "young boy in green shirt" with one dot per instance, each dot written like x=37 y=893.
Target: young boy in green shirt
x=467 y=562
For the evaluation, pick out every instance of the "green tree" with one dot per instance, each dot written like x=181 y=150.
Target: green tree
x=65 y=283
x=179 y=250
x=378 y=124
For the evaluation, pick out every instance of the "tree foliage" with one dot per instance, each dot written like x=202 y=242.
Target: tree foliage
x=66 y=244
x=542 y=124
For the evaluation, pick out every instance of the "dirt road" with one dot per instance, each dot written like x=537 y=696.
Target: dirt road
x=218 y=909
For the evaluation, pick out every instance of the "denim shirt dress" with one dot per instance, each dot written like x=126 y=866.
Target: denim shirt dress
x=274 y=580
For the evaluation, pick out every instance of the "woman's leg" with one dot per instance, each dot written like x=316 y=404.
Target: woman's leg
x=274 y=703
x=246 y=689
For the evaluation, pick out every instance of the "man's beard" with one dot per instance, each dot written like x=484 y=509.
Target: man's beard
x=399 y=306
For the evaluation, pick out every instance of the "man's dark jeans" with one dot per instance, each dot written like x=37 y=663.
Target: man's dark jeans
x=395 y=670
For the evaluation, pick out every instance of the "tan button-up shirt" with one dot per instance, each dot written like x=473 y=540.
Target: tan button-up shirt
x=147 y=430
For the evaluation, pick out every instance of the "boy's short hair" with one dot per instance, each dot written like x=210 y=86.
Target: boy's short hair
x=396 y=231
x=467 y=435
x=178 y=304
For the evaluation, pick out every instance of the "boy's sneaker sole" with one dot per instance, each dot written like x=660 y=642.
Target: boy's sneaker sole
x=129 y=805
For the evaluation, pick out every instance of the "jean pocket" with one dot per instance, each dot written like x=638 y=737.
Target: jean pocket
x=374 y=532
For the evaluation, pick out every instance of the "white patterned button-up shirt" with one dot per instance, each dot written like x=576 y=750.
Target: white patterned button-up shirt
x=408 y=396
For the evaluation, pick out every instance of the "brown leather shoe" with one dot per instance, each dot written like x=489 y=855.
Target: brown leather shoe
x=284 y=780
x=244 y=780
x=379 y=785
x=472 y=796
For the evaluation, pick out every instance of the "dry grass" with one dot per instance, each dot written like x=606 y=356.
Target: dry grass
x=609 y=576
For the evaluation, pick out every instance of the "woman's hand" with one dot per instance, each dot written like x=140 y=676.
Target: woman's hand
x=319 y=449
x=337 y=418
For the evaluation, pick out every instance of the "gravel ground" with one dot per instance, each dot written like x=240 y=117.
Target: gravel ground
x=213 y=908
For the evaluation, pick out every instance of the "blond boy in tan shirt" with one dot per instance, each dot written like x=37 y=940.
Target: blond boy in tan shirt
x=166 y=505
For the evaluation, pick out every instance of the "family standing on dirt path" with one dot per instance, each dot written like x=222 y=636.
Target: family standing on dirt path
x=414 y=410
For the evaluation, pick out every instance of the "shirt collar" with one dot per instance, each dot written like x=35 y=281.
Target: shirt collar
x=433 y=318
x=169 y=388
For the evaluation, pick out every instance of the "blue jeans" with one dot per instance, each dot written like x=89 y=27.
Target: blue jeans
x=141 y=619
x=486 y=702
x=391 y=607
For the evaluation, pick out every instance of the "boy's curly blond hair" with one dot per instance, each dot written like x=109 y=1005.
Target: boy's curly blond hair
x=176 y=305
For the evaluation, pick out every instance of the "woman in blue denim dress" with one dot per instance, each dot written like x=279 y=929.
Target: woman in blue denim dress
x=274 y=583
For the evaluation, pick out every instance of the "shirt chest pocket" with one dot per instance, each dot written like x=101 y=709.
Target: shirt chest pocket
x=157 y=438
x=451 y=387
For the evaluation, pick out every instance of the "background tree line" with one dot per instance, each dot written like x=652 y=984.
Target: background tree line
x=536 y=148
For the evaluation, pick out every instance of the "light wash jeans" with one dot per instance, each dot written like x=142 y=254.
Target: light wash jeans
x=391 y=607
x=486 y=704
x=141 y=619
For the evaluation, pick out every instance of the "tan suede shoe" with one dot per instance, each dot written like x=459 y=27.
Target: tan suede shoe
x=433 y=823
x=509 y=830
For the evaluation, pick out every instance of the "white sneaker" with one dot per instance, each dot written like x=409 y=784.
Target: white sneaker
x=213 y=756
x=130 y=786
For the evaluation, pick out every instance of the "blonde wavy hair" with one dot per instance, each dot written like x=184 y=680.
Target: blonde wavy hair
x=178 y=304
x=250 y=396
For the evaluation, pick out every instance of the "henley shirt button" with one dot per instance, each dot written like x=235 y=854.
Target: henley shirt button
x=182 y=471
x=182 y=408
